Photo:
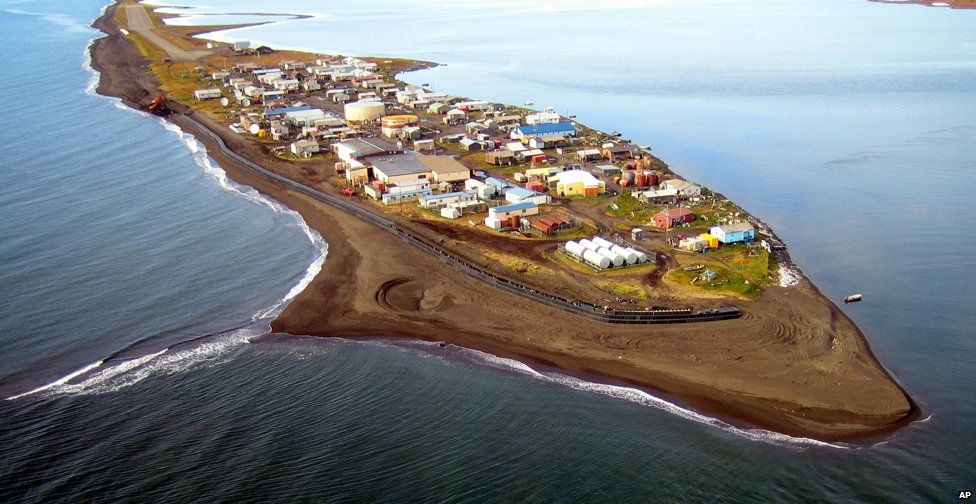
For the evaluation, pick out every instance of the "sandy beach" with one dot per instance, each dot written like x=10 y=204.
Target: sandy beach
x=794 y=363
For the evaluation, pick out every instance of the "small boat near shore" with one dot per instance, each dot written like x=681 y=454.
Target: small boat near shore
x=853 y=298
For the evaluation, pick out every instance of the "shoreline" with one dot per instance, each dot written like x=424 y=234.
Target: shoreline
x=331 y=307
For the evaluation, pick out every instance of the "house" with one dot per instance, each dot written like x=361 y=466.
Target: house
x=550 y=130
x=286 y=84
x=674 y=217
x=206 y=94
x=279 y=130
x=311 y=85
x=407 y=191
x=445 y=169
x=474 y=106
x=588 y=155
x=683 y=187
x=472 y=145
x=548 y=143
x=304 y=148
x=621 y=151
x=521 y=194
x=576 y=183
x=483 y=190
x=454 y=116
x=437 y=201
x=271 y=95
x=424 y=145
x=514 y=210
x=657 y=196
x=734 y=233
x=500 y=157
x=241 y=45
x=693 y=244
x=543 y=118
x=399 y=168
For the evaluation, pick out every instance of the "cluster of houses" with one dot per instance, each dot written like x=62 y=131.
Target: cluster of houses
x=726 y=234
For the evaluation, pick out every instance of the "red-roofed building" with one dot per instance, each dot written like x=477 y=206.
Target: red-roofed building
x=673 y=217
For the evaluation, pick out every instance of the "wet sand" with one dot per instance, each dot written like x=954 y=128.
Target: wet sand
x=794 y=363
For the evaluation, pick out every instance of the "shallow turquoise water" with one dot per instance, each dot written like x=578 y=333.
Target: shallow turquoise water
x=848 y=126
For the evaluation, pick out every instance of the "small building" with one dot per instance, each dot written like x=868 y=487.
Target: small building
x=693 y=244
x=521 y=194
x=304 y=148
x=576 y=183
x=535 y=185
x=450 y=213
x=500 y=157
x=472 y=145
x=607 y=170
x=657 y=196
x=543 y=118
x=436 y=201
x=711 y=240
x=673 y=217
x=206 y=94
x=286 y=84
x=241 y=45
x=546 y=130
x=445 y=169
x=621 y=151
x=407 y=191
x=311 y=85
x=424 y=145
x=454 y=116
x=585 y=155
x=522 y=209
x=736 y=232
x=637 y=234
x=683 y=187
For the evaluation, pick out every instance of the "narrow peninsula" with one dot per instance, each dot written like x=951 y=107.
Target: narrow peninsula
x=509 y=230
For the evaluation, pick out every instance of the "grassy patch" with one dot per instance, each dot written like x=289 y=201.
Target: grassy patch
x=623 y=288
x=626 y=206
x=740 y=271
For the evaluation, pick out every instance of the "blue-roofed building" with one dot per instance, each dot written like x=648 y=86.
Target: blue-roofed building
x=544 y=131
x=435 y=201
x=515 y=209
x=521 y=194
x=734 y=233
x=281 y=111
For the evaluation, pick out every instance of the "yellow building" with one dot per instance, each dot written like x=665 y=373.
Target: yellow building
x=576 y=183
x=711 y=239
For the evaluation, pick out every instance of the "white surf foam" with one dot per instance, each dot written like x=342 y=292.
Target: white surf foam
x=788 y=276
x=635 y=396
x=130 y=372
x=60 y=381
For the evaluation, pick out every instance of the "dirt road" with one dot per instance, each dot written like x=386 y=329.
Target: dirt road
x=139 y=21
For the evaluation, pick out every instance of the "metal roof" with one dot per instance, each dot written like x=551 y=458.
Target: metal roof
x=537 y=129
x=398 y=164
x=522 y=205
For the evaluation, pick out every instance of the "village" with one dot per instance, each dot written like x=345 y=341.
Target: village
x=538 y=193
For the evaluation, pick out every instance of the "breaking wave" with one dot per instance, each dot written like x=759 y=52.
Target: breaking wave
x=630 y=394
x=105 y=376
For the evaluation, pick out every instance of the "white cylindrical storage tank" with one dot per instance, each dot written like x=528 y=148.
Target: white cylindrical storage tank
x=615 y=258
x=245 y=102
x=254 y=129
x=224 y=102
x=588 y=244
x=575 y=248
x=364 y=111
x=641 y=257
x=596 y=259
x=629 y=256
x=601 y=242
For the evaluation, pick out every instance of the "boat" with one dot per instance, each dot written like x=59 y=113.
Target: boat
x=853 y=298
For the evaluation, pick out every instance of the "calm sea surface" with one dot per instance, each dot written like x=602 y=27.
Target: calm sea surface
x=136 y=279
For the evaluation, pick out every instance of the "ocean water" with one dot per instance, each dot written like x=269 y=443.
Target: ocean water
x=131 y=265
